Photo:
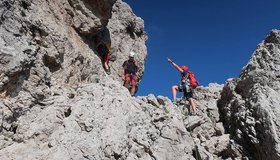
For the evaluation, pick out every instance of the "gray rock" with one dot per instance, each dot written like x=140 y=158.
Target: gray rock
x=220 y=130
x=152 y=100
x=164 y=100
x=58 y=103
x=249 y=103
x=217 y=144
x=127 y=34
x=193 y=122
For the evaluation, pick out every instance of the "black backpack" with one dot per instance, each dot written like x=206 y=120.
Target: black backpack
x=130 y=67
x=102 y=49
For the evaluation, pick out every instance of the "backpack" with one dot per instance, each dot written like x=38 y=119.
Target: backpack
x=193 y=82
x=102 y=49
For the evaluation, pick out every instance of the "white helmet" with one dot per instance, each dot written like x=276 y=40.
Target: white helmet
x=131 y=54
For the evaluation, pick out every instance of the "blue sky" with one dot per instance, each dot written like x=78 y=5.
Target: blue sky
x=214 y=38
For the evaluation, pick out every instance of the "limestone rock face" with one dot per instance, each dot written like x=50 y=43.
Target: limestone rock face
x=57 y=102
x=47 y=44
x=250 y=104
x=207 y=129
x=99 y=121
x=127 y=34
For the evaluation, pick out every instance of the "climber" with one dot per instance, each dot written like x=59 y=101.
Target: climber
x=129 y=70
x=184 y=86
x=104 y=53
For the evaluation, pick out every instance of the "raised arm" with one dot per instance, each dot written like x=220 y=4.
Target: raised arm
x=175 y=65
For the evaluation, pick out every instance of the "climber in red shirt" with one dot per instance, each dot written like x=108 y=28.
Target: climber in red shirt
x=129 y=71
x=186 y=85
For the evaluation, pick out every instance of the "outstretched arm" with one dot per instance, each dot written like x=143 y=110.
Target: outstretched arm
x=175 y=65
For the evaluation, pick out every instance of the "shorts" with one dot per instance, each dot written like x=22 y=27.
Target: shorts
x=188 y=93
x=103 y=53
x=132 y=78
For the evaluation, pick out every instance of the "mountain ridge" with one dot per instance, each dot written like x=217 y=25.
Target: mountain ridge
x=57 y=101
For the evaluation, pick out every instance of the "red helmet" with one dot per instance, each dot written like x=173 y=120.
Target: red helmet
x=184 y=68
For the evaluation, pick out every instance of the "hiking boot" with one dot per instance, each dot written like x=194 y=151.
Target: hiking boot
x=108 y=71
x=174 y=102
x=192 y=113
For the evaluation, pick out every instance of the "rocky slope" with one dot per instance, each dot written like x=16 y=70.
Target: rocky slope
x=250 y=104
x=56 y=101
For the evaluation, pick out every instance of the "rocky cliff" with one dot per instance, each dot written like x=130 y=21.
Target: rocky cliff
x=49 y=44
x=57 y=102
x=250 y=104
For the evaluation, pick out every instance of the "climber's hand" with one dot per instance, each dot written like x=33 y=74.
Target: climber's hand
x=169 y=60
